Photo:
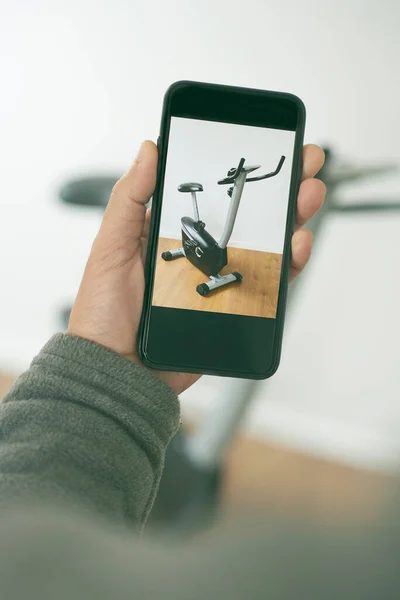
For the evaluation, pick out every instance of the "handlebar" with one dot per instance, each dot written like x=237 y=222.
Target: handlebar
x=272 y=174
x=234 y=173
x=232 y=176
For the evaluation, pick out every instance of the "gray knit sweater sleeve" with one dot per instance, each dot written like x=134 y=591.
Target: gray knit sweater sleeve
x=85 y=431
x=87 y=427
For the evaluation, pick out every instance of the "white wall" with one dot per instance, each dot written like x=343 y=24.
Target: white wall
x=204 y=151
x=82 y=85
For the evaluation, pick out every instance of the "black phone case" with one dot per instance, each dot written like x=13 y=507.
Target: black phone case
x=155 y=222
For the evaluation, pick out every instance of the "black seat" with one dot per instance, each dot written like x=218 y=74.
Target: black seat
x=89 y=191
x=190 y=187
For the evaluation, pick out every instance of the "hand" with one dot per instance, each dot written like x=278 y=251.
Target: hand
x=109 y=302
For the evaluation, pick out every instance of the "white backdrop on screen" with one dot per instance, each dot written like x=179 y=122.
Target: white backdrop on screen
x=203 y=152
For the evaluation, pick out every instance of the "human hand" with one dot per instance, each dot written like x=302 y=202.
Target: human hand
x=108 y=306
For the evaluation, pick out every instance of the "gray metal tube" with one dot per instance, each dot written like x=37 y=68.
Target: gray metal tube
x=207 y=446
x=233 y=209
x=195 y=207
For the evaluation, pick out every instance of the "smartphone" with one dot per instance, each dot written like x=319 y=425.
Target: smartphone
x=222 y=219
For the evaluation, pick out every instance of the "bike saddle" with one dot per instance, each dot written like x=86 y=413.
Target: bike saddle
x=190 y=187
x=88 y=191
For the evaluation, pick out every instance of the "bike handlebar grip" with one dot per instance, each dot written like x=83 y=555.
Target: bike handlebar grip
x=279 y=167
x=272 y=174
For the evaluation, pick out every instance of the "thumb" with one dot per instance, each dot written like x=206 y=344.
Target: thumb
x=124 y=217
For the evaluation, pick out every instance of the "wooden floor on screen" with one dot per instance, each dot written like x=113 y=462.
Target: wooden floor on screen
x=256 y=295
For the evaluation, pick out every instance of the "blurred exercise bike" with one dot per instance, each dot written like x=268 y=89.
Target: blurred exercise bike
x=189 y=494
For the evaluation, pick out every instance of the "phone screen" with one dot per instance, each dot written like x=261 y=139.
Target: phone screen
x=221 y=237
x=220 y=242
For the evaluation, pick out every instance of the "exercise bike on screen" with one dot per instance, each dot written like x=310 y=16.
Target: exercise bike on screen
x=198 y=245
